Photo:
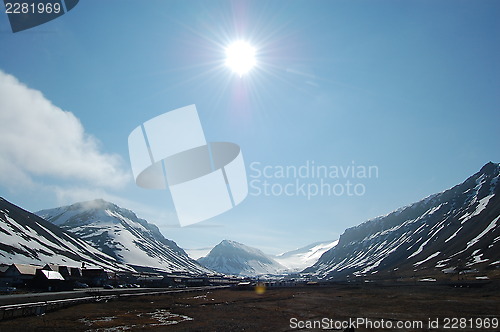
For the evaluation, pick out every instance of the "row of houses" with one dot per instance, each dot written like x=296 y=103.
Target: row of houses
x=53 y=277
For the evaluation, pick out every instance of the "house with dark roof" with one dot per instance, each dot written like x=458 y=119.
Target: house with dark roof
x=20 y=274
x=95 y=277
x=3 y=280
x=75 y=273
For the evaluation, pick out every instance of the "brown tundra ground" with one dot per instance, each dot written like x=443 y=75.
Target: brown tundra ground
x=285 y=309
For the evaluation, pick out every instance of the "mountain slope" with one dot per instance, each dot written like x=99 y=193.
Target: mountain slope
x=29 y=239
x=455 y=229
x=230 y=257
x=121 y=234
x=299 y=259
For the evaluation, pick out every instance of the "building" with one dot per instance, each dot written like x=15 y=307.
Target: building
x=95 y=277
x=20 y=275
x=50 y=281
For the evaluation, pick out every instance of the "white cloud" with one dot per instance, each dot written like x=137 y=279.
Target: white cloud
x=37 y=138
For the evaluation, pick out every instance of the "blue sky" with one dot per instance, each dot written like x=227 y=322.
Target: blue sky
x=411 y=87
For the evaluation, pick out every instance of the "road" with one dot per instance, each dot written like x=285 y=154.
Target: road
x=15 y=299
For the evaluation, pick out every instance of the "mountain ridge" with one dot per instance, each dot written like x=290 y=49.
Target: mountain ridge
x=122 y=235
x=454 y=229
x=30 y=239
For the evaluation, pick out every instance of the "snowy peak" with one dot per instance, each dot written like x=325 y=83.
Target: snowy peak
x=234 y=258
x=238 y=249
x=457 y=228
x=122 y=235
x=87 y=212
x=29 y=239
x=97 y=212
x=299 y=259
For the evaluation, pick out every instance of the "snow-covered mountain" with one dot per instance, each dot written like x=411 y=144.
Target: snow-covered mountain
x=299 y=259
x=28 y=239
x=230 y=257
x=121 y=234
x=452 y=230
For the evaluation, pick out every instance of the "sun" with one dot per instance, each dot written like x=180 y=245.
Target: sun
x=240 y=57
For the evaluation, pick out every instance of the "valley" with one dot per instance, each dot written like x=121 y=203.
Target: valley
x=280 y=309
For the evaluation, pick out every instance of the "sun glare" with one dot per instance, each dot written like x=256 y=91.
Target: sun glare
x=240 y=57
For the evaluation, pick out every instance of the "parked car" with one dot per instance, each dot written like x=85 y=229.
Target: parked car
x=81 y=285
x=8 y=289
x=108 y=287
